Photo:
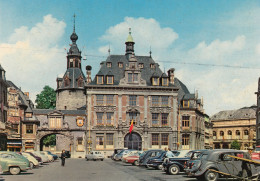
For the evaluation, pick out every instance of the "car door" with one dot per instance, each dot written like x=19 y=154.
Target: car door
x=225 y=163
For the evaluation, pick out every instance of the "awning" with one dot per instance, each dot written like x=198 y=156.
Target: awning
x=14 y=143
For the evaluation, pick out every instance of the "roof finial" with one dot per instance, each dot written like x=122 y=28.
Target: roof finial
x=150 y=52
x=109 y=49
x=74 y=23
x=130 y=31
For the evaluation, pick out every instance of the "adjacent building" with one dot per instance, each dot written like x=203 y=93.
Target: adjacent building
x=258 y=115
x=233 y=125
x=3 y=111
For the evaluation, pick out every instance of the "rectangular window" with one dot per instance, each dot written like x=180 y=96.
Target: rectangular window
x=15 y=127
x=185 y=121
x=132 y=116
x=109 y=79
x=155 y=81
x=165 y=81
x=99 y=79
x=110 y=100
x=155 y=119
x=29 y=129
x=110 y=118
x=132 y=100
x=58 y=122
x=99 y=118
x=165 y=119
x=155 y=101
x=28 y=115
x=80 y=141
x=165 y=139
x=109 y=139
x=132 y=77
x=185 y=104
x=109 y=64
x=185 y=139
x=141 y=65
x=165 y=100
x=155 y=139
x=100 y=100
x=100 y=140
x=52 y=123
x=120 y=64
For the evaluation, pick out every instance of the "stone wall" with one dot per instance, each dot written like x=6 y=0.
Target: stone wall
x=70 y=99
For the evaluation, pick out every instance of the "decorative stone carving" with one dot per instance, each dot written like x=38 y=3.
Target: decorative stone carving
x=105 y=108
x=160 y=109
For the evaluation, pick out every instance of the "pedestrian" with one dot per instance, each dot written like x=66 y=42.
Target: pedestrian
x=63 y=156
x=169 y=153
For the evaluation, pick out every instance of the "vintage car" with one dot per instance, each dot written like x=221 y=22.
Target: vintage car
x=33 y=162
x=175 y=165
x=36 y=157
x=55 y=157
x=116 y=151
x=134 y=160
x=222 y=161
x=119 y=156
x=50 y=157
x=148 y=154
x=94 y=155
x=42 y=156
x=131 y=153
x=156 y=162
x=13 y=162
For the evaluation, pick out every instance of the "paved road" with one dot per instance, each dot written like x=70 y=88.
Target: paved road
x=107 y=170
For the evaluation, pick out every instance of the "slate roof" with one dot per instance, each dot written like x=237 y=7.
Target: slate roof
x=66 y=112
x=119 y=73
x=243 y=113
x=73 y=74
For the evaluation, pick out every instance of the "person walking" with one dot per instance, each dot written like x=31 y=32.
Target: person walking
x=63 y=156
x=169 y=153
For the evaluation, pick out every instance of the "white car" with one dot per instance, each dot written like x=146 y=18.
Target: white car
x=43 y=157
x=50 y=157
x=94 y=155
x=33 y=162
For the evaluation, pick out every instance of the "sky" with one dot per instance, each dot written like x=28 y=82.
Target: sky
x=214 y=46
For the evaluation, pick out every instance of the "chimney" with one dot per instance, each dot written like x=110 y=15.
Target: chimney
x=171 y=75
x=88 y=74
x=26 y=94
x=196 y=94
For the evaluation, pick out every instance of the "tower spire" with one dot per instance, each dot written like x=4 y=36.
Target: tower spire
x=129 y=45
x=74 y=17
x=150 y=52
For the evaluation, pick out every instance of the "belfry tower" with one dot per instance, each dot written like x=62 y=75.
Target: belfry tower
x=70 y=89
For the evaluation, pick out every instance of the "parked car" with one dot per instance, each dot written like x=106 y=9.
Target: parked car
x=36 y=157
x=50 y=157
x=116 y=151
x=175 y=165
x=119 y=156
x=42 y=156
x=131 y=153
x=156 y=162
x=33 y=162
x=13 y=162
x=219 y=160
x=55 y=157
x=150 y=153
x=94 y=155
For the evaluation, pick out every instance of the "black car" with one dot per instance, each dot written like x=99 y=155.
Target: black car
x=175 y=165
x=150 y=153
x=156 y=162
x=67 y=153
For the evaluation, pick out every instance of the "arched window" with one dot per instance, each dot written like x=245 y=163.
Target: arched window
x=230 y=133
x=221 y=133
x=246 y=132
x=237 y=132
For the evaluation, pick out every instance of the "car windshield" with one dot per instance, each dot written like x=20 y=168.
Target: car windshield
x=188 y=154
x=177 y=154
x=142 y=154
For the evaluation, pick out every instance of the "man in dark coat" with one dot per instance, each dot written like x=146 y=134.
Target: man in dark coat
x=63 y=156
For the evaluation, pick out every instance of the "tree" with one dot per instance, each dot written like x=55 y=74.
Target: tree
x=49 y=140
x=235 y=145
x=46 y=99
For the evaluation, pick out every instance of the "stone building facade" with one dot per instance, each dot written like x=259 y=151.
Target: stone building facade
x=3 y=112
x=22 y=120
x=133 y=88
x=233 y=125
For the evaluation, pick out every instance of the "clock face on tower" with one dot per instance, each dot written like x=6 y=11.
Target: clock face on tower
x=71 y=60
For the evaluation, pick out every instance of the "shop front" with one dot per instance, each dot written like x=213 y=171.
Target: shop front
x=14 y=145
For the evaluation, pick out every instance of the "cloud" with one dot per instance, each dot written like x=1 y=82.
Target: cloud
x=31 y=53
x=146 y=33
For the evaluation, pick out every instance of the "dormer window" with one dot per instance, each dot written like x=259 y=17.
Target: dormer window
x=120 y=64
x=80 y=82
x=152 y=66
x=141 y=65
x=66 y=82
x=109 y=64
x=110 y=79
x=100 y=79
x=186 y=104
x=155 y=81
x=132 y=77
x=165 y=81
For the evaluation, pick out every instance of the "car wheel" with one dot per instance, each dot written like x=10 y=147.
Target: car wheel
x=174 y=169
x=15 y=170
x=94 y=159
x=211 y=176
x=136 y=162
x=159 y=167
x=31 y=165
x=102 y=159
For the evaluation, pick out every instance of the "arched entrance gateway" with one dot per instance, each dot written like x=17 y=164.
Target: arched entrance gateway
x=133 y=141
